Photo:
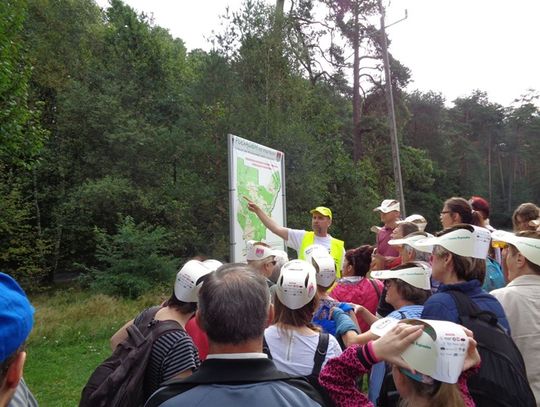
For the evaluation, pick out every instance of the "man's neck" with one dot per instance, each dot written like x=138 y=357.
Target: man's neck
x=390 y=225
x=251 y=346
x=320 y=233
x=523 y=272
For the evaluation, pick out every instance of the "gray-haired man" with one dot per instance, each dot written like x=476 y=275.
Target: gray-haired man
x=234 y=309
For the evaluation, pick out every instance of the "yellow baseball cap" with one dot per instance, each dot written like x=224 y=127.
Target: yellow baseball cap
x=323 y=210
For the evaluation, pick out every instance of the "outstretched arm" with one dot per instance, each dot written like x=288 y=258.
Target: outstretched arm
x=365 y=314
x=267 y=220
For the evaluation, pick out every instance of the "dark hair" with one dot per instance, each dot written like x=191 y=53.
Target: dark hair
x=527 y=212
x=532 y=235
x=408 y=227
x=466 y=268
x=464 y=210
x=360 y=259
x=297 y=317
x=180 y=306
x=233 y=304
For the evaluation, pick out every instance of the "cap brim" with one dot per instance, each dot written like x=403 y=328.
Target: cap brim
x=503 y=236
x=382 y=326
x=528 y=247
x=412 y=243
x=415 y=276
x=428 y=241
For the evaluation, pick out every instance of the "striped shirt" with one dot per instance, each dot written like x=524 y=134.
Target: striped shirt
x=172 y=353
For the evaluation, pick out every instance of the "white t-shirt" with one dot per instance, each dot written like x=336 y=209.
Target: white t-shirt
x=296 y=236
x=293 y=353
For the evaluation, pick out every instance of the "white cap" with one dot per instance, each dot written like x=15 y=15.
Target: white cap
x=411 y=240
x=281 y=255
x=212 y=264
x=529 y=247
x=188 y=281
x=258 y=251
x=439 y=352
x=473 y=241
x=417 y=275
x=296 y=285
x=418 y=220
x=388 y=205
x=324 y=264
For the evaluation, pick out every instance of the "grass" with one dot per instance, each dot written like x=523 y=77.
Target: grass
x=71 y=337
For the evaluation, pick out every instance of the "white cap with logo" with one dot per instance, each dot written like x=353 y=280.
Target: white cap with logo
x=417 y=274
x=324 y=264
x=296 y=285
x=529 y=247
x=258 y=251
x=438 y=353
x=189 y=280
x=470 y=241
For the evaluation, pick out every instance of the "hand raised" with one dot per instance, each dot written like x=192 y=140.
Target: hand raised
x=390 y=346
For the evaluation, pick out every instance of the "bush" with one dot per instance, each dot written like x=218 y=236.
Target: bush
x=131 y=262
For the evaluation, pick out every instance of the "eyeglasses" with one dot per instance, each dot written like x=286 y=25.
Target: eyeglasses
x=443 y=212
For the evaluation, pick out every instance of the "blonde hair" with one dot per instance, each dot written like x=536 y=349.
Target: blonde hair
x=438 y=394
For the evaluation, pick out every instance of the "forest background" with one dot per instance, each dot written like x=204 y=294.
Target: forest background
x=113 y=152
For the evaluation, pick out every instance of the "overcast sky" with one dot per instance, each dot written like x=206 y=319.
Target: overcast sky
x=450 y=46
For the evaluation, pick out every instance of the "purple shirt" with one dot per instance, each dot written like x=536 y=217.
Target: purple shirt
x=383 y=248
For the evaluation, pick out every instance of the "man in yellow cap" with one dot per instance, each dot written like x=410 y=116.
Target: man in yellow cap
x=299 y=240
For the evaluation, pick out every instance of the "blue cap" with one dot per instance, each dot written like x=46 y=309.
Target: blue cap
x=16 y=316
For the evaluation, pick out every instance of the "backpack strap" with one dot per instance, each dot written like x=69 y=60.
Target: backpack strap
x=468 y=309
x=376 y=287
x=320 y=353
x=266 y=348
x=148 y=325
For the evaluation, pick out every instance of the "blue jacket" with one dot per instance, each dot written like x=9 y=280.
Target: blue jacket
x=441 y=306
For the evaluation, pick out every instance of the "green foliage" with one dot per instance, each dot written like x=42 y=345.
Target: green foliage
x=21 y=136
x=132 y=260
x=137 y=128
x=22 y=247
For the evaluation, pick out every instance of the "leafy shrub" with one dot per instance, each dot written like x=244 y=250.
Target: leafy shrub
x=131 y=262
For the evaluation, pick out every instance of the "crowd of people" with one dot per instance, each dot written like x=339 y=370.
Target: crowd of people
x=407 y=321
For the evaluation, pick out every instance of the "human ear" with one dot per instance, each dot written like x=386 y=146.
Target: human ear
x=15 y=371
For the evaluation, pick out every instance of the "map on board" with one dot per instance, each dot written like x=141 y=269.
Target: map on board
x=256 y=172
